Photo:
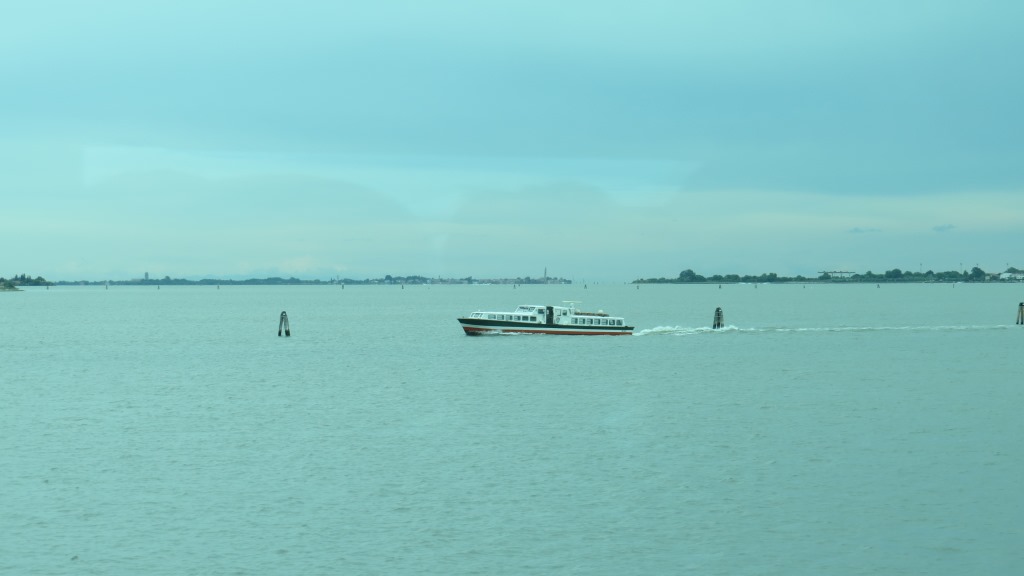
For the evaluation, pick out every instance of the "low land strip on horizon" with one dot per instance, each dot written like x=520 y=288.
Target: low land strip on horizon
x=685 y=277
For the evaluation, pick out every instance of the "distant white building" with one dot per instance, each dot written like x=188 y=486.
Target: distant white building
x=1011 y=277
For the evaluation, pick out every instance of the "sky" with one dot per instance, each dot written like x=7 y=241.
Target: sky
x=598 y=140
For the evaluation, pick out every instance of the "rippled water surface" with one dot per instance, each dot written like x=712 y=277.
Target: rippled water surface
x=828 y=429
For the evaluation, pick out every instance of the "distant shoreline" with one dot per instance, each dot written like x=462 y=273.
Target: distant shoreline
x=387 y=281
x=976 y=275
x=894 y=276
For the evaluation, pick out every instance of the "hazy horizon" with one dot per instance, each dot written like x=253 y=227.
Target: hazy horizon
x=145 y=276
x=605 y=142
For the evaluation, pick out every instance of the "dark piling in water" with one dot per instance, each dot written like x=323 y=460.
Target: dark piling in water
x=1020 y=314
x=719 y=320
x=283 y=324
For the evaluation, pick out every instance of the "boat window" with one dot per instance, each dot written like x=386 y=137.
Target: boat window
x=490 y=316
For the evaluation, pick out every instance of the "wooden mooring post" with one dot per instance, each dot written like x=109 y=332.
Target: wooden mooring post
x=283 y=324
x=719 y=320
x=1020 y=314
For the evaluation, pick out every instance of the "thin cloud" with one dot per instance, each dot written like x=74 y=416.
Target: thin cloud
x=421 y=138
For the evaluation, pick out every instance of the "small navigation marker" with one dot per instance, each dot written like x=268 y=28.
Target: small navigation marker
x=284 y=324
x=719 y=319
x=1020 y=314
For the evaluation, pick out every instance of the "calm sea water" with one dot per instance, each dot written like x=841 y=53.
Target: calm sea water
x=828 y=430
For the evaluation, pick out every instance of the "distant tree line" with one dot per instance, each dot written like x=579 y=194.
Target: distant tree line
x=895 y=275
x=22 y=280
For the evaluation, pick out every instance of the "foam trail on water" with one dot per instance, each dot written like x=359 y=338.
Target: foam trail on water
x=692 y=331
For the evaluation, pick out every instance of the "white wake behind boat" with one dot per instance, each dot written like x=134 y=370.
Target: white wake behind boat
x=538 y=319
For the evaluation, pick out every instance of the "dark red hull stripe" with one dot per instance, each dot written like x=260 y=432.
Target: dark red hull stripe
x=476 y=327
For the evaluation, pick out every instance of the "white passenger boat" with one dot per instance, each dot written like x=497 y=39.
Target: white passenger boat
x=537 y=319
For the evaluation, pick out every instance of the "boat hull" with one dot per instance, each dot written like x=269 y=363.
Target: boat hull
x=480 y=327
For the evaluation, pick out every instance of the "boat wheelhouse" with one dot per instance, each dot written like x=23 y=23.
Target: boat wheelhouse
x=540 y=319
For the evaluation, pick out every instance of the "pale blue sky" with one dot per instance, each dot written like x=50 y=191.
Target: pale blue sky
x=605 y=141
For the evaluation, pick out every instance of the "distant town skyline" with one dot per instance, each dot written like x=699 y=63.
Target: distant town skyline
x=604 y=142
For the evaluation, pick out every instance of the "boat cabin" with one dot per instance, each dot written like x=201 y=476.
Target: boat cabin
x=552 y=315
